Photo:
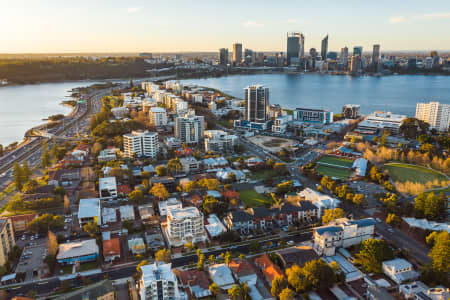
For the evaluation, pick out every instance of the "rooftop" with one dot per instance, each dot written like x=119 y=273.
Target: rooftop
x=221 y=275
x=89 y=208
x=77 y=249
x=182 y=213
x=157 y=271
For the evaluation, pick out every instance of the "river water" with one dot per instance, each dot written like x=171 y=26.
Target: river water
x=397 y=93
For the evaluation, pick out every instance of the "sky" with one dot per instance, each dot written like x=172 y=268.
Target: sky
x=55 y=26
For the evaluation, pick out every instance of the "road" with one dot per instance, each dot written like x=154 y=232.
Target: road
x=46 y=287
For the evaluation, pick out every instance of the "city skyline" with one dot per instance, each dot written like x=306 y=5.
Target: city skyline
x=138 y=26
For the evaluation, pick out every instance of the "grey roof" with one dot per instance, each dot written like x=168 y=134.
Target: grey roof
x=93 y=291
x=330 y=229
x=260 y=212
x=363 y=222
x=240 y=216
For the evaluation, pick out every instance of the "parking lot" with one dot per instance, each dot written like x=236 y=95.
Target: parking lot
x=369 y=190
x=32 y=261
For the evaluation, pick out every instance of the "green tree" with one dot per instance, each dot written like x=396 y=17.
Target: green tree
x=159 y=191
x=142 y=263
x=174 y=165
x=212 y=259
x=314 y=274
x=91 y=228
x=392 y=219
x=30 y=186
x=440 y=253
x=26 y=172
x=227 y=257
x=201 y=261
x=45 y=222
x=18 y=176
x=279 y=283
x=1 y=150
x=213 y=288
x=161 y=171
x=136 y=197
x=287 y=294
x=210 y=204
x=235 y=292
x=45 y=157
x=332 y=214
x=163 y=255
x=285 y=187
x=373 y=252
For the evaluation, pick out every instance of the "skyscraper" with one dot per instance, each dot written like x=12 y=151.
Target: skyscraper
x=237 y=53
x=223 y=56
x=357 y=50
x=302 y=45
x=324 y=49
x=293 y=45
x=375 y=54
x=344 y=57
x=256 y=103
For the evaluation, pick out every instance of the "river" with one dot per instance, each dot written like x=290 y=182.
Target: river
x=24 y=106
x=396 y=93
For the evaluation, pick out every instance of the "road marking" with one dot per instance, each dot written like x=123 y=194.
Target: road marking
x=45 y=282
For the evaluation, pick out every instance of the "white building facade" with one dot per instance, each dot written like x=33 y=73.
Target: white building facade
x=219 y=141
x=435 y=114
x=158 y=282
x=158 y=116
x=190 y=128
x=141 y=143
x=185 y=225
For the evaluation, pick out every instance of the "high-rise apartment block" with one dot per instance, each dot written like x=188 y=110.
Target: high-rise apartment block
x=158 y=282
x=189 y=128
x=185 y=225
x=309 y=115
x=351 y=111
x=223 y=56
x=237 y=53
x=256 y=103
x=435 y=114
x=219 y=141
x=157 y=116
x=141 y=143
x=7 y=241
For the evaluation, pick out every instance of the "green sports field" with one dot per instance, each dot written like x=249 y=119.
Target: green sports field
x=331 y=160
x=334 y=172
x=404 y=172
x=253 y=199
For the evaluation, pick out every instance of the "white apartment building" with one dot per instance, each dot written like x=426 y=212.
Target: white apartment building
x=107 y=188
x=219 y=141
x=185 y=225
x=190 y=128
x=158 y=116
x=190 y=164
x=399 y=270
x=158 y=282
x=435 y=114
x=280 y=123
x=342 y=233
x=141 y=143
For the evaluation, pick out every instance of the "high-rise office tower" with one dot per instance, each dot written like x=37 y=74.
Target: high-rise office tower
x=248 y=56
x=256 y=103
x=324 y=49
x=357 y=50
x=293 y=46
x=376 y=54
x=355 y=64
x=237 y=53
x=344 y=57
x=302 y=46
x=223 y=56
x=435 y=114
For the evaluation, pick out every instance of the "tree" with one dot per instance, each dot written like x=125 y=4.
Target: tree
x=52 y=244
x=161 y=171
x=358 y=199
x=18 y=176
x=227 y=257
x=431 y=238
x=332 y=214
x=214 y=289
x=392 y=219
x=287 y=294
x=159 y=191
x=245 y=291
x=136 y=197
x=142 y=263
x=440 y=253
x=373 y=252
x=66 y=204
x=1 y=150
x=201 y=261
x=210 y=204
x=45 y=222
x=45 y=157
x=26 y=172
x=279 y=283
x=212 y=259
x=314 y=274
x=91 y=228
x=163 y=255
x=174 y=165
x=285 y=187
x=235 y=292
x=30 y=186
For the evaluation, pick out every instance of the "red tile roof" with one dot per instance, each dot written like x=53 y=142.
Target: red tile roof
x=270 y=270
x=241 y=268
x=111 y=247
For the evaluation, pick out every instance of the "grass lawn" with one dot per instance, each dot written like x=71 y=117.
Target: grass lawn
x=335 y=161
x=263 y=174
x=88 y=266
x=335 y=172
x=404 y=172
x=253 y=199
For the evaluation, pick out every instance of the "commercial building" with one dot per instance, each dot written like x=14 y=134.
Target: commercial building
x=107 y=187
x=7 y=241
x=308 y=115
x=185 y=225
x=399 y=270
x=256 y=103
x=324 y=48
x=379 y=121
x=158 y=282
x=280 y=124
x=375 y=54
x=141 y=143
x=293 y=46
x=355 y=64
x=357 y=51
x=190 y=164
x=190 y=128
x=157 y=116
x=219 y=141
x=82 y=251
x=237 y=53
x=435 y=114
x=89 y=211
x=223 y=56
x=342 y=233
x=351 y=111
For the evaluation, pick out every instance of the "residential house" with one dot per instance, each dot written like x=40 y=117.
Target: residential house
x=269 y=269
x=221 y=275
x=136 y=245
x=195 y=282
x=399 y=270
x=111 y=249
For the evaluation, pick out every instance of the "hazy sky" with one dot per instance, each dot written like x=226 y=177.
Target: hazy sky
x=206 y=25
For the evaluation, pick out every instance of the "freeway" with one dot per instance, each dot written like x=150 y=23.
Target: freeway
x=47 y=286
